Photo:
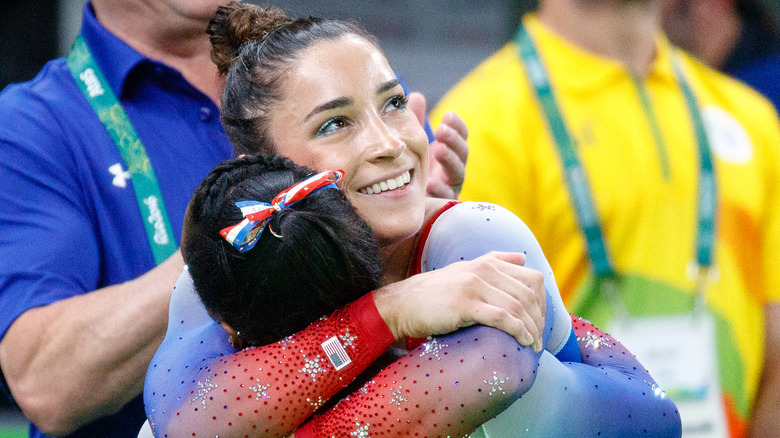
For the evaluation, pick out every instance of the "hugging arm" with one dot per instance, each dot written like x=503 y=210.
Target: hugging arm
x=588 y=383
x=609 y=394
x=198 y=382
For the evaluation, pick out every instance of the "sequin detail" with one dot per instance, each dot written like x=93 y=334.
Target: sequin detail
x=362 y=429
x=313 y=367
x=396 y=397
x=286 y=341
x=594 y=341
x=434 y=346
x=260 y=390
x=201 y=391
x=496 y=384
x=347 y=339
x=657 y=391
x=317 y=403
x=483 y=207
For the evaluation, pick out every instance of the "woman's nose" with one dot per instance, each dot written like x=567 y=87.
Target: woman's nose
x=383 y=140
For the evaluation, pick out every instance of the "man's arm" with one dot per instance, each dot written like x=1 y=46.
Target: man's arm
x=72 y=361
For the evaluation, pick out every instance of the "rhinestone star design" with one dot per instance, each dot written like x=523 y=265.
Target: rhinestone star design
x=434 y=347
x=151 y=422
x=347 y=339
x=260 y=390
x=313 y=367
x=362 y=429
x=316 y=403
x=657 y=391
x=286 y=341
x=495 y=384
x=593 y=341
x=201 y=392
x=483 y=207
x=397 y=398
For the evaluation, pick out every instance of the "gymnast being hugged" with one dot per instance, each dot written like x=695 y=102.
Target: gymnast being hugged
x=321 y=93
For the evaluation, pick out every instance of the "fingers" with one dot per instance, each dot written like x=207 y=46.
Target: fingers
x=516 y=290
x=495 y=290
x=418 y=106
x=454 y=133
x=449 y=152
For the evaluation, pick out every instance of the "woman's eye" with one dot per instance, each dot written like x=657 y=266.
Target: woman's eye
x=396 y=103
x=330 y=126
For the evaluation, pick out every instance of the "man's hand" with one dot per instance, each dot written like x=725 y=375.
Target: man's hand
x=493 y=290
x=448 y=152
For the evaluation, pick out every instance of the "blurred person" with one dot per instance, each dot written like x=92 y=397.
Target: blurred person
x=101 y=153
x=651 y=182
x=738 y=37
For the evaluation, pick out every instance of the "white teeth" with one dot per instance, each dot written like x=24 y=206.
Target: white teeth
x=390 y=184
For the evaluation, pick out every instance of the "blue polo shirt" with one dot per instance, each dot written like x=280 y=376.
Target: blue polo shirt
x=69 y=218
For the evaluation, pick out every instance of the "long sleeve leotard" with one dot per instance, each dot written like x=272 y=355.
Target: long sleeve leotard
x=197 y=385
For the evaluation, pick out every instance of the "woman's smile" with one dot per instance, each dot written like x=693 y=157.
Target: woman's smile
x=398 y=182
x=345 y=109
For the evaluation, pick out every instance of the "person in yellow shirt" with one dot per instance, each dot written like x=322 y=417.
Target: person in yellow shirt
x=653 y=185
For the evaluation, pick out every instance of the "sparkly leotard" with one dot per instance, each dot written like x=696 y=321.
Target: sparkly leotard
x=198 y=385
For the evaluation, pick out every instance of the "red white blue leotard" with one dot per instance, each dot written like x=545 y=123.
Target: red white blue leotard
x=198 y=385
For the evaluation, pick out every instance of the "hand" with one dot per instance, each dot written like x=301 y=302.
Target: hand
x=448 y=152
x=493 y=290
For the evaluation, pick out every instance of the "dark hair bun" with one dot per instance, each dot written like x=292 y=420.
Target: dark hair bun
x=237 y=23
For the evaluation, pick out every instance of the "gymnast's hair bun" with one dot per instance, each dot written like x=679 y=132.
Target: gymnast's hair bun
x=238 y=23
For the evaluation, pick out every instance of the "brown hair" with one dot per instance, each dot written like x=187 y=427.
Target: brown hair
x=253 y=46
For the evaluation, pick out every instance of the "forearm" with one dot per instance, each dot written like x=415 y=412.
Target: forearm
x=610 y=394
x=195 y=384
x=58 y=358
x=446 y=387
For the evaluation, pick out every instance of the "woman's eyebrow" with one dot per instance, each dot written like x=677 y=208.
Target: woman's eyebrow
x=389 y=85
x=335 y=103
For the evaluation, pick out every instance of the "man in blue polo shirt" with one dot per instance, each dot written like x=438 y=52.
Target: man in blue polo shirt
x=85 y=280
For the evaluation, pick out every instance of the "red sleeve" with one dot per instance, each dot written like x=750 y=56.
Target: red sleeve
x=273 y=389
x=446 y=387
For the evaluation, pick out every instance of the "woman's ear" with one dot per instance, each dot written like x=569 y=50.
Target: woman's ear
x=235 y=336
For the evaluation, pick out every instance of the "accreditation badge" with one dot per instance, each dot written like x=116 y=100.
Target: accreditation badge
x=679 y=352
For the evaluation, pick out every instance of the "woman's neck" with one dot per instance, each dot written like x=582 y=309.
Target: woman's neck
x=623 y=30
x=397 y=257
x=176 y=41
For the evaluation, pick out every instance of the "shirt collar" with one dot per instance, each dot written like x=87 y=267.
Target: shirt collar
x=593 y=71
x=115 y=58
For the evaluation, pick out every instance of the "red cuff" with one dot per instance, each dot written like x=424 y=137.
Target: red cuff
x=370 y=326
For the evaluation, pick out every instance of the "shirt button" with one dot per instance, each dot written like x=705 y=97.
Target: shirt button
x=204 y=114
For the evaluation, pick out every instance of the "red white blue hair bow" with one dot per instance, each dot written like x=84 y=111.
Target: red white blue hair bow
x=244 y=235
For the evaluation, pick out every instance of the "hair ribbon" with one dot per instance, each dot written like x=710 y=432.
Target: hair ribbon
x=244 y=235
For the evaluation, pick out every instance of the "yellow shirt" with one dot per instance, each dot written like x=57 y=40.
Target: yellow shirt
x=644 y=185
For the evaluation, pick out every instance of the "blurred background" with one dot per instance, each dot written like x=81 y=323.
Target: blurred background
x=431 y=44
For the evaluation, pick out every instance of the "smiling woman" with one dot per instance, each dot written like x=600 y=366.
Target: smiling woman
x=321 y=93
